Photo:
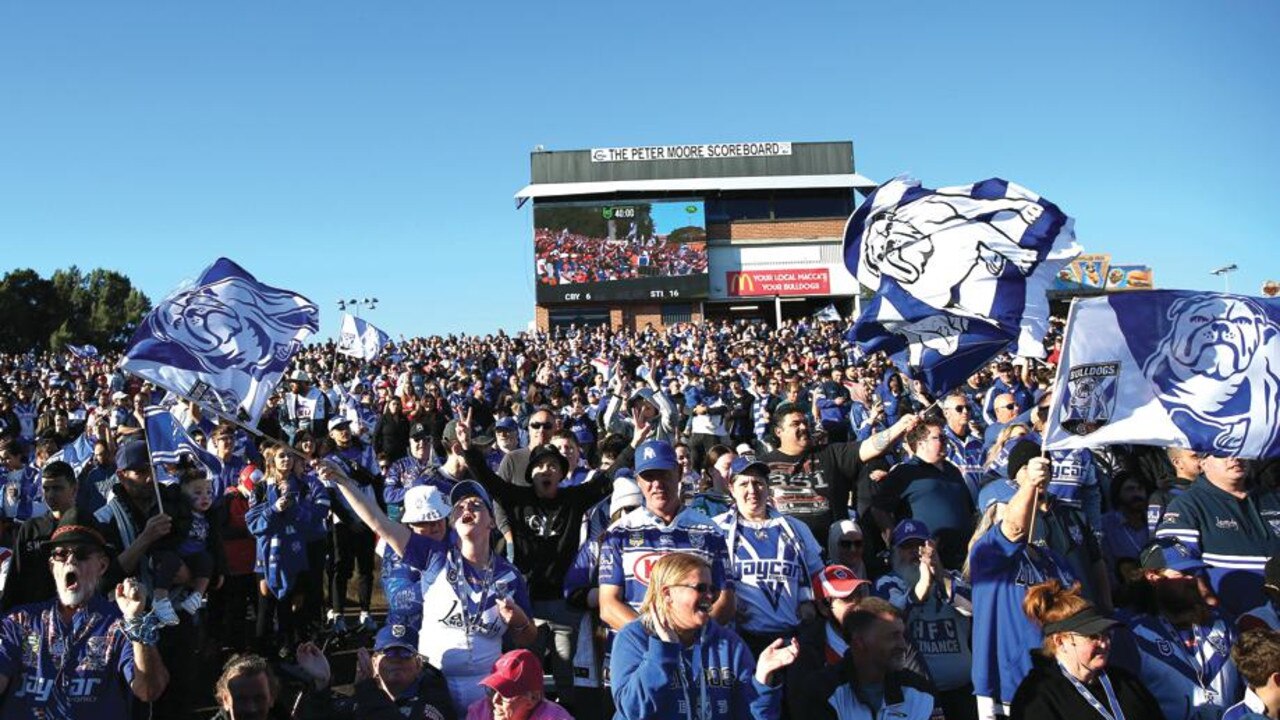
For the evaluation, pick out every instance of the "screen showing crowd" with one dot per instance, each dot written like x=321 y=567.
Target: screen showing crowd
x=620 y=251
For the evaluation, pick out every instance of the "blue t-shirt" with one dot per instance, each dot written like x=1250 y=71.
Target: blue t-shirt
x=80 y=669
x=1000 y=571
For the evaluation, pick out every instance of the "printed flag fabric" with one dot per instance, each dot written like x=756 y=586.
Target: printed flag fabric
x=223 y=343
x=959 y=273
x=360 y=339
x=83 y=351
x=1170 y=367
x=77 y=453
x=168 y=441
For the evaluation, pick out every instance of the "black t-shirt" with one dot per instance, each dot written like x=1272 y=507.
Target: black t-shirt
x=829 y=474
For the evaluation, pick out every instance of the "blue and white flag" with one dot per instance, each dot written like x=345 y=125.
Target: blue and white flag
x=78 y=453
x=223 y=343
x=83 y=351
x=360 y=339
x=168 y=441
x=828 y=314
x=1194 y=370
x=959 y=273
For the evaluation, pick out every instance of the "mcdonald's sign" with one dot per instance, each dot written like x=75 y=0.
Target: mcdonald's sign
x=798 y=281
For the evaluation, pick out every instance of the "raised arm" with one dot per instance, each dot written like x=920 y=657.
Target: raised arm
x=877 y=444
x=396 y=535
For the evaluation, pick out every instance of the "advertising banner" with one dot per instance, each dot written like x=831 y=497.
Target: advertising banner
x=797 y=281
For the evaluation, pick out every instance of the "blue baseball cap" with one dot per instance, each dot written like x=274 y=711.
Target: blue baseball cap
x=506 y=423
x=655 y=455
x=909 y=529
x=396 y=635
x=470 y=488
x=133 y=456
x=1172 y=555
x=743 y=464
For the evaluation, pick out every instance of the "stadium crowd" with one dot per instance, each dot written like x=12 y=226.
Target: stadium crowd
x=714 y=520
x=565 y=258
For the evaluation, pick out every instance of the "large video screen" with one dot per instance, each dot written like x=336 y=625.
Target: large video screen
x=626 y=250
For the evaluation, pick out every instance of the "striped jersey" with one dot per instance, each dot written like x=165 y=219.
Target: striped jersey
x=772 y=563
x=639 y=539
x=1234 y=537
x=1190 y=672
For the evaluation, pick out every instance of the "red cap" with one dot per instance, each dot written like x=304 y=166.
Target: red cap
x=249 y=477
x=836 y=581
x=516 y=673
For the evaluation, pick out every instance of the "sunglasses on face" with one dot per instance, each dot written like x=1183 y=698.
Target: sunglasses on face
x=539 y=425
x=960 y=409
x=704 y=589
x=399 y=653
x=1009 y=406
x=66 y=555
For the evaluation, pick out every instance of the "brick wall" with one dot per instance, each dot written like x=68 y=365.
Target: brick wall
x=776 y=229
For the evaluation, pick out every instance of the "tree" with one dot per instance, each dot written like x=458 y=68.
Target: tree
x=102 y=308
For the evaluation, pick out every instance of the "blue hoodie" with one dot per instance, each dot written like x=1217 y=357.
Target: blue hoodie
x=655 y=679
x=281 y=537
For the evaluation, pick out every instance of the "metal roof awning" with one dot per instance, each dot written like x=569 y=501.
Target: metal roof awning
x=762 y=182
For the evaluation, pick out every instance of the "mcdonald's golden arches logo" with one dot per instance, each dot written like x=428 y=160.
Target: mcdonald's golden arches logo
x=741 y=283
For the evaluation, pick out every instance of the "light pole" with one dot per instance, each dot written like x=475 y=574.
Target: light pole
x=354 y=305
x=1225 y=272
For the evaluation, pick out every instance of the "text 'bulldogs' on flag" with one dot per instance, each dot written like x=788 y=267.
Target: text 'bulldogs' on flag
x=223 y=343
x=1170 y=367
x=959 y=273
x=360 y=339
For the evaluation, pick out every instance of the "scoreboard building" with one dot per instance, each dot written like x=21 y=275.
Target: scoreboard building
x=658 y=235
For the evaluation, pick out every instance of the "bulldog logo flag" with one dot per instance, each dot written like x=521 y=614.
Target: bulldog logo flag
x=223 y=343
x=360 y=338
x=959 y=273
x=1170 y=367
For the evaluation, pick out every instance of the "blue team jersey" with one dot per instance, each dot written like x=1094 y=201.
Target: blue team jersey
x=80 y=669
x=966 y=454
x=1000 y=571
x=772 y=563
x=633 y=544
x=1233 y=537
x=401 y=586
x=1189 y=672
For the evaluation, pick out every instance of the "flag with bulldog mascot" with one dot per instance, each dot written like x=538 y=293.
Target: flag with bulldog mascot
x=1195 y=370
x=959 y=273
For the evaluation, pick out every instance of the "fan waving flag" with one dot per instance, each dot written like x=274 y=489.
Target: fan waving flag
x=168 y=441
x=223 y=343
x=360 y=339
x=959 y=273
x=1177 y=368
x=78 y=453
x=83 y=351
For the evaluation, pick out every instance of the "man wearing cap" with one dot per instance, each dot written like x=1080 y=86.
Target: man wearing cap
x=637 y=540
x=78 y=654
x=830 y=472
x=352 y=541
x=304 y=406
x=1232 y=527
x=937 y=606
x=774 y=559
x=472 y=598
x=1182 y=651
x=400 y=683
x=409 y=470
x=1006 y=383
x=507 y=432
x=545 y=519
x=426 y=512
x=515 y=692
x=930 y=489
x=515 y=466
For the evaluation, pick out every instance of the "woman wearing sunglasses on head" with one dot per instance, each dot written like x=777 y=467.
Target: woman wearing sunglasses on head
x=1070 y=677
x=674 y=661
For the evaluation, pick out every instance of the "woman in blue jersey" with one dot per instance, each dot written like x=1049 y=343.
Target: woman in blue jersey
x=1002 y=564
x=472 y=598
x=774 y=556
x=675 y=662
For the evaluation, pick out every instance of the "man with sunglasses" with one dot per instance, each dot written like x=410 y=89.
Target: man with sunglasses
x=515 y=466
x=964 y=443
x=78 y=654
x=1008 y=383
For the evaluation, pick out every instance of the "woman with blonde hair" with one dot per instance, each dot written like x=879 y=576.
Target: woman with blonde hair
x=1070 y=677
x=676 y=661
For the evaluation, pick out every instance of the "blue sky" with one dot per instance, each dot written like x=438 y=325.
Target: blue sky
x=360 y=149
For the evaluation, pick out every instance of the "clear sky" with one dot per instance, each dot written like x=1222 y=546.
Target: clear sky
x=373 y=148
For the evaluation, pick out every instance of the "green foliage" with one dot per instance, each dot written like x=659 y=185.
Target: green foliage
x=101 y=308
